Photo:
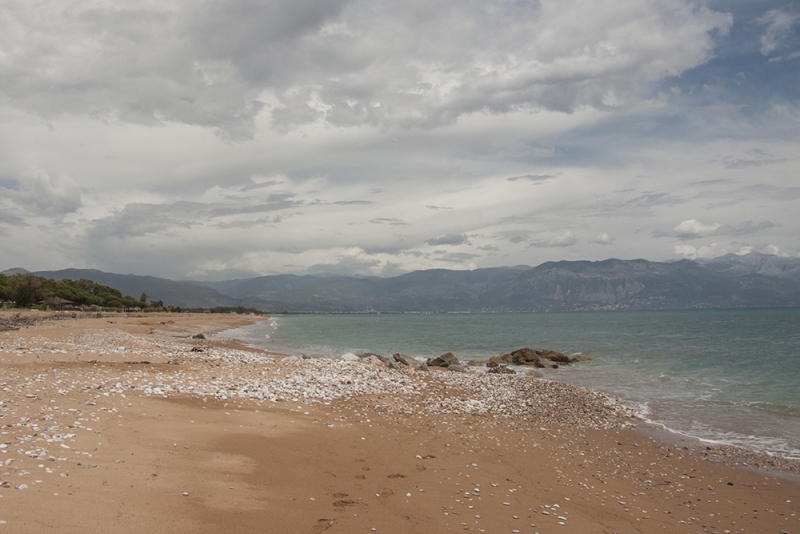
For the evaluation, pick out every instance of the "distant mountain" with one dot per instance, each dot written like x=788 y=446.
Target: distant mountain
x=436 y=290
x=15 y=270
x=756 y=263
x=639 y=285
x=172 y=293
x=553 y=286
x=752 y=280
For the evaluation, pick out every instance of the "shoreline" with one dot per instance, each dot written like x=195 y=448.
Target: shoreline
x=126 y=414
x=753 y=458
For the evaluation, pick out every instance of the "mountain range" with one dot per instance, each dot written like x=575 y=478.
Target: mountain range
x=730 y=281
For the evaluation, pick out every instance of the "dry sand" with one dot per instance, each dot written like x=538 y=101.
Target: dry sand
x=95 y=440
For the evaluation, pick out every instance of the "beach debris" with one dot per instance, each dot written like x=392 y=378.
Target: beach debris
x=502 y=370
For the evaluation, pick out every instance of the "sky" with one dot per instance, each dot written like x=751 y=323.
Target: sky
x=210 y=140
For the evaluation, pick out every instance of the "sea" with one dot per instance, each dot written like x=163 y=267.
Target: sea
x=720 y=376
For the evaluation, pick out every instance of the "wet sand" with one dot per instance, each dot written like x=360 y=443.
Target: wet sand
x=104 y=442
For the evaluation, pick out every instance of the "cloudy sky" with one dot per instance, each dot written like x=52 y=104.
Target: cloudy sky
x=211 y=139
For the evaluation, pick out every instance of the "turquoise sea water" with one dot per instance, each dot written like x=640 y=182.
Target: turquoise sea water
x=727 y=376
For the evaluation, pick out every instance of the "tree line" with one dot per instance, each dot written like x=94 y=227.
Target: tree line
x=26 y=289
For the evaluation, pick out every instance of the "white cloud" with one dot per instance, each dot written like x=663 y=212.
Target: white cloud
x=694 y=229
x=567 y=239
x=41 y=194
x=779 y=25
x=602 y=239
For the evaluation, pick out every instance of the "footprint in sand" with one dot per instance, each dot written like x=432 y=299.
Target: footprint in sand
x=322 y=525
x=396 y=475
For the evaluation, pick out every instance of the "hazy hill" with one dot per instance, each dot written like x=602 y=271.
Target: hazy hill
x=639 y=285
x=755 y=263
x=172 y=293
x=429 y=290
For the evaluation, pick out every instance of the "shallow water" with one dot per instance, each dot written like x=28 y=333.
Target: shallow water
x=727 y=376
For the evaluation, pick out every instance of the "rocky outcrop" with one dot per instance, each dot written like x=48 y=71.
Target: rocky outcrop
x=501 y=358
x=406 y=360
x=445 y=360
x=553 y=356
x=539 y=358
x=525 y=356
x=544 y=363
x=581 y=358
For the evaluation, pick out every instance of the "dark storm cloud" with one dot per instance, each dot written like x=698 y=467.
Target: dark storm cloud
x=535 y=178
x=218 y=64
x=449 y=239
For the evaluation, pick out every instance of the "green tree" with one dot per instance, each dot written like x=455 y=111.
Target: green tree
x=3 y=287
x=144 y=297
x=23 y=287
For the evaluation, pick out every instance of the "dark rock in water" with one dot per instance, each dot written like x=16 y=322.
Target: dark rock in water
x=406 y=360
x=580 y=358
x=553 y=356
x=491 y=363
x=475 y=363
x=528 y=356
x=445 y=360
x=501 y=358
x=198 y=336
x=457 y=367
x=544 y=363
x=534 y=374
x=501 y=370
x=525 y=356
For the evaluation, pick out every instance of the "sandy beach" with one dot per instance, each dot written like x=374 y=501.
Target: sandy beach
x=120 y=423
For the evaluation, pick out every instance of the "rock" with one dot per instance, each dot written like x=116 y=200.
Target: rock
x=475 y=363
x=501 y=358
x=534 y=374
x=525 y=356
x=528 y=356
x=491 y=364
x=502 y=370
x=581 y=358
x=371 y=356
x=374 y=360
x=423 y=367
x=198 y=336
x=406 y=360
x=457 y=367
x=553 y=356
x=445 y=360
x=349 y=357
x=544 y=363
